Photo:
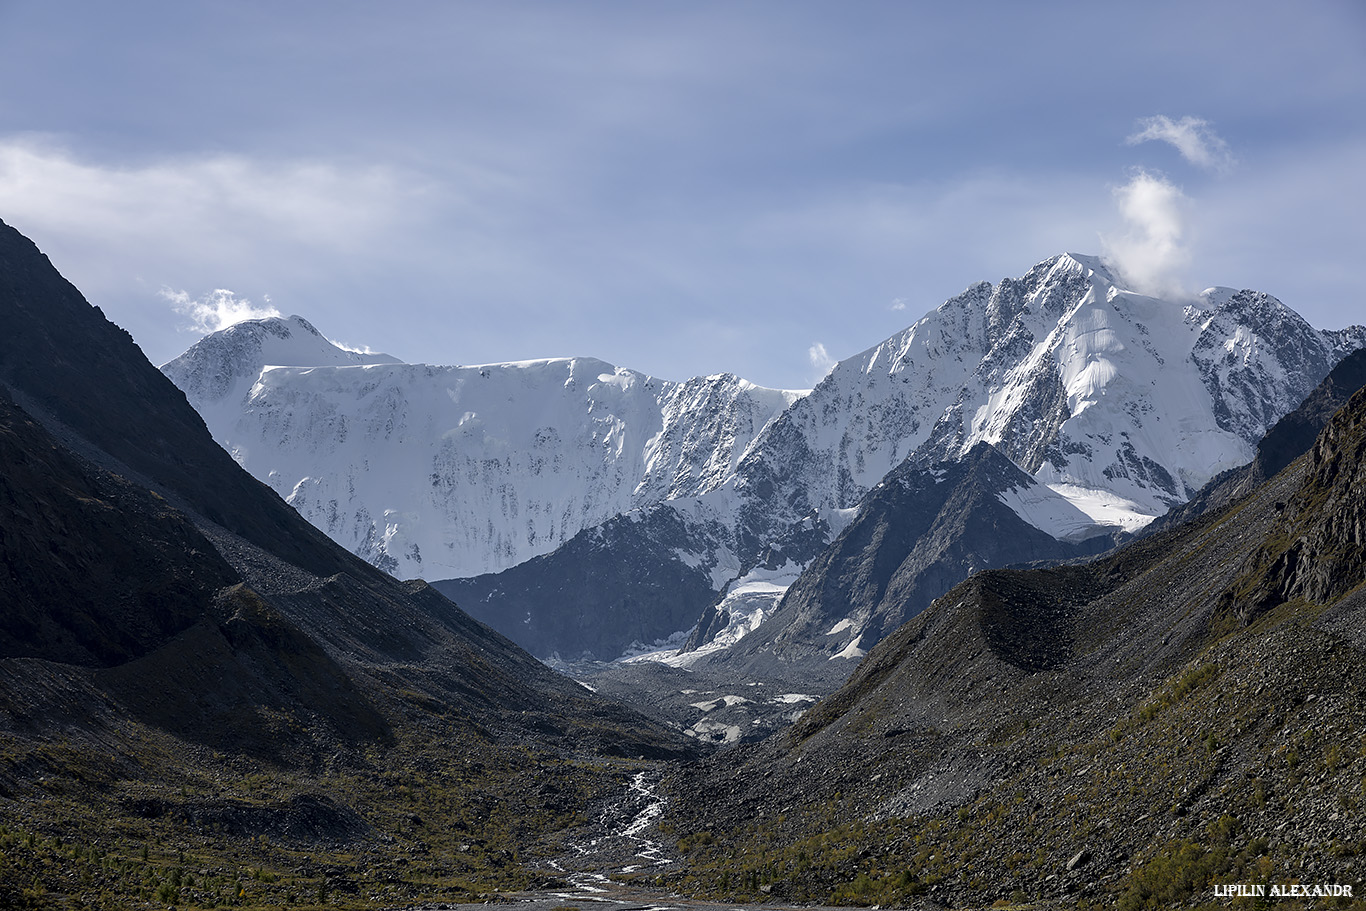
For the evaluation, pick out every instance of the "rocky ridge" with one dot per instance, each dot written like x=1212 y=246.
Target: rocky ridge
x=921 y=531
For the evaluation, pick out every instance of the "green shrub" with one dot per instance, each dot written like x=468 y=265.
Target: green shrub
x=1171 y=877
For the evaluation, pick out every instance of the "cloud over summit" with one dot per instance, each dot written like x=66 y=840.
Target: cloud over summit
x=216 y=310
x=1151 y=253
x=1193 y=137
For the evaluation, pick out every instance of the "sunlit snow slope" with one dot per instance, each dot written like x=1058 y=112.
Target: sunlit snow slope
x=1120 y=404
x=454 y=471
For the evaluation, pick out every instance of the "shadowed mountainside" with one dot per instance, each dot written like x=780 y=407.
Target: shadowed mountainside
x=606 y=589
x=101 y=571
x=183 y=658
x=925 y=528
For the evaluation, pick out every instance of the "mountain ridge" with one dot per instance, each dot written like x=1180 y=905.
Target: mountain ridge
x=541 y=449
x=1119 y=406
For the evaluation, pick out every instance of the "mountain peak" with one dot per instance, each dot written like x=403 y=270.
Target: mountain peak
x=281 y=326
x=1118 y=404
x=221 y=367
x=1085 y=264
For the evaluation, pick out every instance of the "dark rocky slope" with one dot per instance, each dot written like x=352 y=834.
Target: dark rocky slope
x=61 y=357
x=193 y=677
x=100 y=571
x=1289 y=439
x=107 y=577
x=608 y=588
x=924 y=529
x=1187 y=710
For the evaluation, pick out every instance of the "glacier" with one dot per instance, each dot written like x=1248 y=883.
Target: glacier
x=455 y=471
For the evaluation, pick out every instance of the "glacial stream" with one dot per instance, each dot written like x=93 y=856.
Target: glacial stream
x=621 y=847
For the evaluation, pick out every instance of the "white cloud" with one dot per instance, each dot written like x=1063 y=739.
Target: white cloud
x=1151 y=255
x=216 y=310
x=1191 y=136
x=206 y=200
x=309 y=229
x=820 y=358
x=897 y=304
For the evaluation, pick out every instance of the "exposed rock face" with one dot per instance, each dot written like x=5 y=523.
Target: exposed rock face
x=1241 y=378
x=1319 y=554
x=924 y=529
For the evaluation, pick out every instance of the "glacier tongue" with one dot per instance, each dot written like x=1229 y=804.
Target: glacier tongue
x=746 y=603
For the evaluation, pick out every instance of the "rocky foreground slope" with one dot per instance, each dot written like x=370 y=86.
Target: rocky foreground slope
x=1184 y=712
x=204 y=700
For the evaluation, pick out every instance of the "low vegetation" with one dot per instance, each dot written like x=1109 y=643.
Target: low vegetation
x=447 y=820
x=1245 y=765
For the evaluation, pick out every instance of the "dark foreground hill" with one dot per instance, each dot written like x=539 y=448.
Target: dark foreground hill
x=204 y=701
x=1186 y=711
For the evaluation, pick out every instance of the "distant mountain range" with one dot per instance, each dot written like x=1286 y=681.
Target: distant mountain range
x=525 y=487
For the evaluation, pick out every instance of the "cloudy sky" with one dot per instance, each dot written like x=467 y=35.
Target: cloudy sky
x=679 y=187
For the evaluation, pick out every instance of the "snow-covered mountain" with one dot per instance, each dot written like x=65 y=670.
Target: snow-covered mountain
x=455 y=471
x=1116 y=404
x=1120 y=404
x=218 y=372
